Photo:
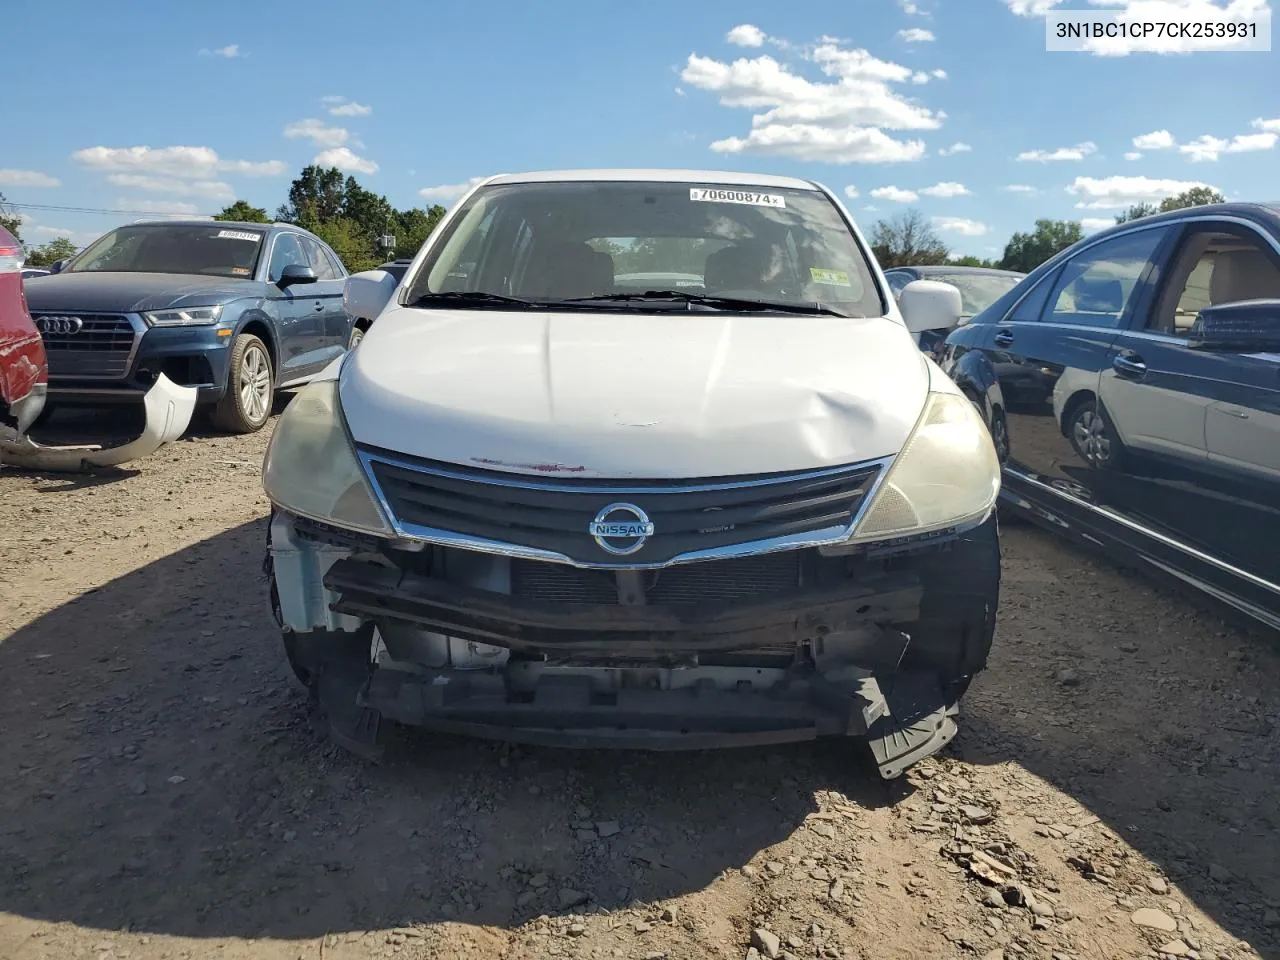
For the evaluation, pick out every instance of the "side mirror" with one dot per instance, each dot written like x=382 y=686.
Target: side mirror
x=367 y=293
x=1247 y=326
x=57 y=265
x=930 y=305
x=295 y=273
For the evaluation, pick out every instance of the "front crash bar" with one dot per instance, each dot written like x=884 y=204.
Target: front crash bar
x=168 y=409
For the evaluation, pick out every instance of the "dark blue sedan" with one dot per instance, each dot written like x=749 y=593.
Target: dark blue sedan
x=236 y=310
x=1133 y=386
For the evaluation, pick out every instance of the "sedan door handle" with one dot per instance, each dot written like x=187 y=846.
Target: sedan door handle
x=1235 y=412
x=1004 y=338
x=1129 y=366
x=319 y=305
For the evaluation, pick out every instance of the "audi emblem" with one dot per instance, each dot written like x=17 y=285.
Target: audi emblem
x=63 y=325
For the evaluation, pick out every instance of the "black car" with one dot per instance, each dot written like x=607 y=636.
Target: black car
x=237 y=310
x=979 y=287
x=1159 y=436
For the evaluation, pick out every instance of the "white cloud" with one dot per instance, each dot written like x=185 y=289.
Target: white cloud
x=1094 y=224
x=679 y=91
x=27 y=178
x=852 y=192
x=215 y=189
x=342 y=107
x=1267 y=126
x=745 y=35
x=917 y=35
x=896 y=194
x=939 y=74
x=910 y=8
x=960 y=225
x=947 y=189
x=869 y=208
x=1021 y=188
x=176 y=207
x=960 y=147
x=841 y=121
x=229 y=52
x=1078 y=152
x=317 y=132
x=1112 y=193
x=1210 y=148
x=1133 y=155
x=1156 y=140
x=194 y=162
x=448 y=191
x=345 y=160
x=1156 y=11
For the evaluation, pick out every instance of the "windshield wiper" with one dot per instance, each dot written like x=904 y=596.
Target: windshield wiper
x=706 y=300
x=471 y=298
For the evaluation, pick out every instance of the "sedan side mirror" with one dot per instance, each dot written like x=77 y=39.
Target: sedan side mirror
x=57 y=265
x=367 y=293
x=1247 y=326
x=295 y=273
x=930 y=305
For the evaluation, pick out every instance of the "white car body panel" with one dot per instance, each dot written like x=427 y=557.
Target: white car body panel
x=666 y=395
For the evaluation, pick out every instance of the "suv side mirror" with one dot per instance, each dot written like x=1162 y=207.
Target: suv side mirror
x=1246 y=326
x=367 y=293
x=295 y=273
x=930 y=305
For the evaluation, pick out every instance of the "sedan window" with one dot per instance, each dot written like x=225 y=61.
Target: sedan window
x=1215 y=267
x=1094 y=288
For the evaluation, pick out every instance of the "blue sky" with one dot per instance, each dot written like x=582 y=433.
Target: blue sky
x=182 y=107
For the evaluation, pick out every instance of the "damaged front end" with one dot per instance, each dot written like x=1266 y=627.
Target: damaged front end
x=756 y=649
x=168 y=408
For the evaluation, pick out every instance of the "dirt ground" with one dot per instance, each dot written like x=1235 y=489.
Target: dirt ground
x=1114 y=792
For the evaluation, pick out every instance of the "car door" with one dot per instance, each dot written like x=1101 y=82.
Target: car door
x=1197 y=431
x=300 y=327
x=1049 y=352
x=336 y=325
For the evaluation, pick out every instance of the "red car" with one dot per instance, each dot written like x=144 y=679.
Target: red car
x=24 y=381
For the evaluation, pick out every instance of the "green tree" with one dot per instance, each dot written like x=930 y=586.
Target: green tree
x=1137 y=212
x=244 y=212
x=315 y=196
x=413 y=226
x=59 y=248
x=10 y=219
x=907 y=240
x=971 y=261
x=1195 y=197
x=353 y=245
x=1026 y=251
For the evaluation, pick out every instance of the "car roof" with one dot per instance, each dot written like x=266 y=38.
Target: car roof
x=1265 y=213
x=651 y=175
x=974 y=271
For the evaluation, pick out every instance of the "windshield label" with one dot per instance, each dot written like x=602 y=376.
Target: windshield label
x=706 y=195
x=239 y=235
x=832 y=278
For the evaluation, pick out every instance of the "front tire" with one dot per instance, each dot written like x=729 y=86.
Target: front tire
x=353 y=341
x=246 y=405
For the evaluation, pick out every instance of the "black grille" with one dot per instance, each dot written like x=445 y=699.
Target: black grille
x=100 y=348
x=554 y=514
x=739 y=578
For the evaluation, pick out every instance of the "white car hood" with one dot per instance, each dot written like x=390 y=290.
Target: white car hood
x=621 y=395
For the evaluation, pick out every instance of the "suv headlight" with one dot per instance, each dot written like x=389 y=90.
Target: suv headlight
x=947 y=476
x=188 y=317
x=311 y=468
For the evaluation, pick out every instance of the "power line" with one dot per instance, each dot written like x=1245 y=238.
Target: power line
x=130 y=213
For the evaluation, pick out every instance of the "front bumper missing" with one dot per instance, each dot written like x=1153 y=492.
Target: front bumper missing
x=168 y=414
x=591 y=676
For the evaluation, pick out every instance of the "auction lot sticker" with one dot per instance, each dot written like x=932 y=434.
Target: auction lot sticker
x=239 y=235
x=833 y=278
x=749 y=197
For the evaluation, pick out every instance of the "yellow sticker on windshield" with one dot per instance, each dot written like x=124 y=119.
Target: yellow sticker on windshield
x=833 y=278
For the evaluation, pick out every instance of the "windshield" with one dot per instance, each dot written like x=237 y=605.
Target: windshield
x=977 y=292
x=211 y=250
x=561 y=243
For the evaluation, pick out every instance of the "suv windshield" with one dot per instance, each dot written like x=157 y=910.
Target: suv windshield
x=213 y=250
x=621 y=245
x=977 y=292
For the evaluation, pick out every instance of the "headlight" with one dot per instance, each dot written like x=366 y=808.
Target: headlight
x=311 y=469
x=190 y=317
x=947 y=475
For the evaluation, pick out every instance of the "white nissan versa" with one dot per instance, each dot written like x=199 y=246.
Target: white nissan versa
x=639 y=458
